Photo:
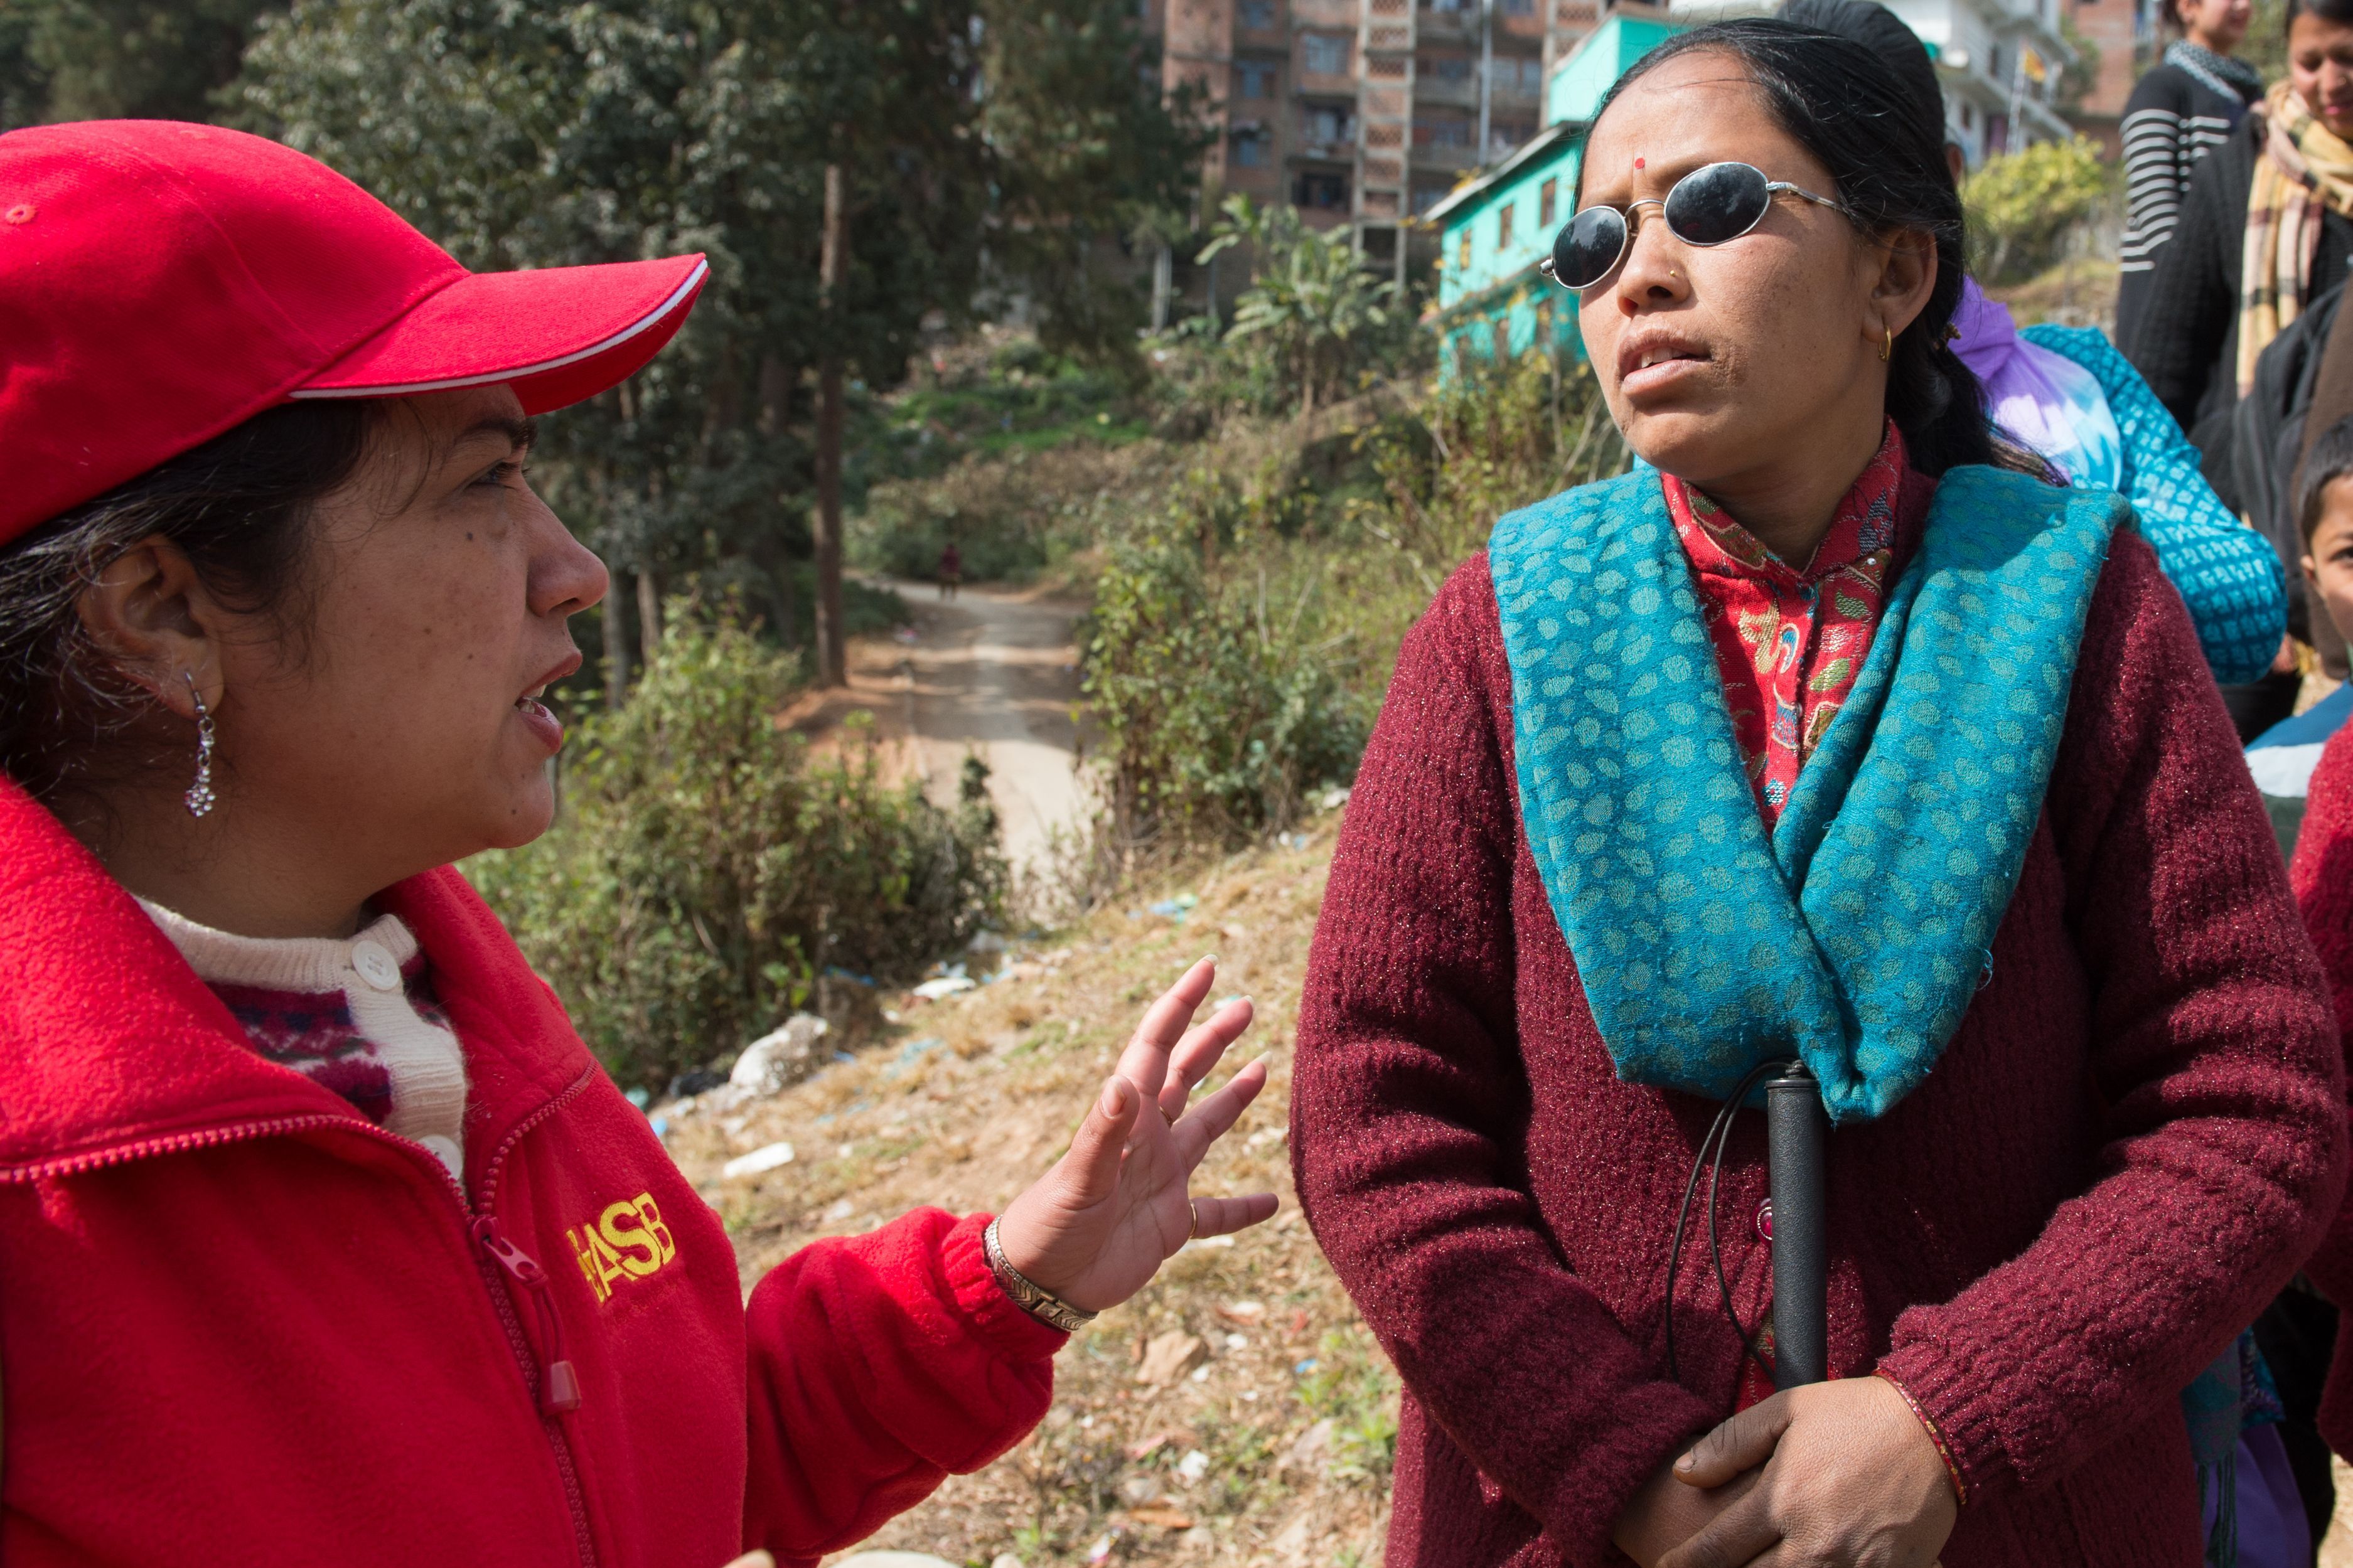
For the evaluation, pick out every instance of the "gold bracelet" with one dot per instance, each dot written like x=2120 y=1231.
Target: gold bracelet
x=1936 y=1437
x=1038 y=1302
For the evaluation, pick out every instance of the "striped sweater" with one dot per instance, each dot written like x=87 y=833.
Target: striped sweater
x=2178 y=112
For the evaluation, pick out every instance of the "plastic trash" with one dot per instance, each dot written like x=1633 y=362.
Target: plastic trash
x=782 y=1056
x=687 y=1085
x=766 y=1158
x=1192 y=1467
x=946 y=986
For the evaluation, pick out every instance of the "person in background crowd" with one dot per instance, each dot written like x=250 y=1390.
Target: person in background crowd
x=326 y=1240
x=2317 y=792
x=2283 y=757
x=951 y=570
x=2266 y=225
x=1648 y=809
x=2182 y=110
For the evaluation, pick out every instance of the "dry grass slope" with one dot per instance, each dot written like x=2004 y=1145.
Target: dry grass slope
x=1263 y=1369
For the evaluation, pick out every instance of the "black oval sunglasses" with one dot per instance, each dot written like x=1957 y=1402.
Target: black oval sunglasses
x=1712 y=205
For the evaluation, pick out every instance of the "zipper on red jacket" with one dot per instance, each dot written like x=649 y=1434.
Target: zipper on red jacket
x=520 y=1265
x=539 y=1375
x=559 y=1385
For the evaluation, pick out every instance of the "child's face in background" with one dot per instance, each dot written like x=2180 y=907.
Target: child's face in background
x=2328 y=555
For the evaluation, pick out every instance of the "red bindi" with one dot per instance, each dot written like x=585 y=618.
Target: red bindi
x=1638 y=163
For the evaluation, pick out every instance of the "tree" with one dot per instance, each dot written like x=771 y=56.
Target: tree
x=113 y=59
x=1313 y=305
x=609 y=130
x=1087 y=155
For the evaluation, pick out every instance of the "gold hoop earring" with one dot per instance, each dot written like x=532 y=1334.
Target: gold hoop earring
x=1886 y=343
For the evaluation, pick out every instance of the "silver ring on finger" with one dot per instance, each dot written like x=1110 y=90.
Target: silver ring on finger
x=1194 y=1206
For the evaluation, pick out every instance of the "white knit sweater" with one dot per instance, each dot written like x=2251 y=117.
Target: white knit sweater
x=356 y=1015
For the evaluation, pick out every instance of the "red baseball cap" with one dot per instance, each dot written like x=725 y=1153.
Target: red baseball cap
x=161 y=283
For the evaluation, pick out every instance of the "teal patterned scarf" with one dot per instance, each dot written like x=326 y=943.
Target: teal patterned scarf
x=1859 y=931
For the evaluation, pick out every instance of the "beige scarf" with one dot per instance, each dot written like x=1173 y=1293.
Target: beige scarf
x=2305 y=170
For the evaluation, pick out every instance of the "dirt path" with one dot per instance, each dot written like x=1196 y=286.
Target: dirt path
x=993 y=671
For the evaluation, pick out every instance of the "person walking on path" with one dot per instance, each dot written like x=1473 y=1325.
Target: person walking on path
x=1717 y=763
x=951 y=570
x=2265 y=226
x=327 y=1240
x=2184 y=107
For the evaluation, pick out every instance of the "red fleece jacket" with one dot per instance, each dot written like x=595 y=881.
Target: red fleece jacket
x=241 y=1324
x=2136 y=1134
x=2323 y=875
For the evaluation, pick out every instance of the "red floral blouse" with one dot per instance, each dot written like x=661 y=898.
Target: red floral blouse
x=1789 y=641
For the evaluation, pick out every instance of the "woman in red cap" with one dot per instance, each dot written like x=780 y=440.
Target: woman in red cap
x=322 y=1239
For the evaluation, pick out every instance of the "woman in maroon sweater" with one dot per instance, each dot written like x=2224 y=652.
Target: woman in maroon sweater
x=1553 y=938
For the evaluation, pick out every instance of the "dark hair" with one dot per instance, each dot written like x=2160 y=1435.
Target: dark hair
x=1851 y=110
x=2338 y=11
x=2331 y=457
x=1886 y=34
x=236 y=505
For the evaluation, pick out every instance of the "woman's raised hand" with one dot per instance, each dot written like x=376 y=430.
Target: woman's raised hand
x=1095 y=1228
x=1850 y=1480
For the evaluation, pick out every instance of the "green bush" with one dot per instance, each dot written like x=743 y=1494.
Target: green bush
x=1011 y=516
x=1220 y=706
x=1316 y=324
x=704 y=867
x=2024 y=205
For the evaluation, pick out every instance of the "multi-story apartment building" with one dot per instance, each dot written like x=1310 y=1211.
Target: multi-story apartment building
x=1363 y=113
x=2000 y=61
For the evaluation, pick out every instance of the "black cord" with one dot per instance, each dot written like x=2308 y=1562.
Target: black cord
x=1711 y=1157
x=1715 y=1254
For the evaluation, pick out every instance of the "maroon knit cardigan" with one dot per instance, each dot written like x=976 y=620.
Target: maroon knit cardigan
x=2135 y=1138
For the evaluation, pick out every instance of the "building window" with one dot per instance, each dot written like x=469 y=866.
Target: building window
x=1257 y=14
x=1548 y=203
x=1520 y=73
x=1442 y=131
x=1503 y=135
x=1449 y=7
x=1969 y=115
x=1516 y=7
x=1328 y=126
x=1326 y=192
x=1426 y=197
x=1325 y=54
x=1463 y=258
x=1502 y=330
x=1446 y=67
x=1504 y=226
x=1253 y=79
x=1250 y=150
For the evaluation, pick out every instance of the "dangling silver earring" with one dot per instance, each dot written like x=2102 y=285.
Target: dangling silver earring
x=200 y=797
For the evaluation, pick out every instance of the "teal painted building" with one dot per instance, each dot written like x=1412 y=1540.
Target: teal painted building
x=1493 y=303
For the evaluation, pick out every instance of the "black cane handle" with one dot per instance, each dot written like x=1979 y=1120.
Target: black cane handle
x=1796 y=1133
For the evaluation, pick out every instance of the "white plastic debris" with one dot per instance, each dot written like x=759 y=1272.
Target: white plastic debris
x=765 y=1158
x=782 y=1056
x=946 y=986
x=1192 y=1467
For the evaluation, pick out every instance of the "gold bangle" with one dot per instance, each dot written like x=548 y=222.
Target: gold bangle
x=1035 y=1299
x=1936 y=1437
